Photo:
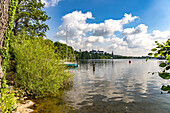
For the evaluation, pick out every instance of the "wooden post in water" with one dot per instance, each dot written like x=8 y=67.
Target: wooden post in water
x=93 y=67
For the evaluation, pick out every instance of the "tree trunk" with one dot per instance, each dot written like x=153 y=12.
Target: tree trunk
x=16 y=27
x=16 y=21
x=4 y=6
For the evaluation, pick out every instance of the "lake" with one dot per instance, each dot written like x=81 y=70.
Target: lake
x=111 y=86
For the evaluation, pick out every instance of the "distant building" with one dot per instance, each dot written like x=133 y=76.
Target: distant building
x=101 y=52
x=93 y=51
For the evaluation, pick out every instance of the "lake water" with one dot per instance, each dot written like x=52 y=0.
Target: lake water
x=113 y=86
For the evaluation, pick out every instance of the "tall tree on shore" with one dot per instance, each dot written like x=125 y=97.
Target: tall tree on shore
x=4 y=6
x=31 y=17
x=7 y=15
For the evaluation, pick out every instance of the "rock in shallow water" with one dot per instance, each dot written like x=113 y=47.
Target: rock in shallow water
x=23 y=108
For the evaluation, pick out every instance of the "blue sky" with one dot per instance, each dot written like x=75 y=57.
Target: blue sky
x=154 y=15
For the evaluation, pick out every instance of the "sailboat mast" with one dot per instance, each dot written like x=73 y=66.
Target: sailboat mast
x=66 y=42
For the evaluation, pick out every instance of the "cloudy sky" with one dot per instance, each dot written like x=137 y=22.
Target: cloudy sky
x=126 y=27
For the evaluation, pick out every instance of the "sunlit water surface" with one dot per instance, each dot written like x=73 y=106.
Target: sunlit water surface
x=112 y=86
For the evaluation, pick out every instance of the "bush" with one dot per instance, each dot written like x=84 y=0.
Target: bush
x=38 y=70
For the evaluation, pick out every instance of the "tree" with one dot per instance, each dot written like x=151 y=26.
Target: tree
x=163 y=50
x=29 y=16
x=4 y=5
x=7 y=97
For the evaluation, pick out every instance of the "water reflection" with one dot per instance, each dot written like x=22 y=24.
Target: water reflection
x=115 y=86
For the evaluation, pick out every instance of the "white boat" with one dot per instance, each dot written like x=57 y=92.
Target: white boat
x=71 y=64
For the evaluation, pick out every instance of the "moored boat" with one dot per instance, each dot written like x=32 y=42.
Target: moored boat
x=71 y=64
x=67 y=62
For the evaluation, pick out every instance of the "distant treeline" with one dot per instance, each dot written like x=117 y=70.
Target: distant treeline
x=105 y=55
x=61 y=50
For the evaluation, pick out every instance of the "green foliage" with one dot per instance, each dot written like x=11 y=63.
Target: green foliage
x=164 y=75
x=155 y=55
x=154 y=49
x=31 y=17
x=162 y=64
x=7 y=95
x=150 y=54
x=165 y=88
x=38 y=70
x=163 y=50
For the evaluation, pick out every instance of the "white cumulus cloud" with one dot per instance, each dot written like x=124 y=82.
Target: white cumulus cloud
x=139 y=41
x=95 y=39
x=49 y=3
x=139 y=29
x=158 y=34
x=77 y=25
